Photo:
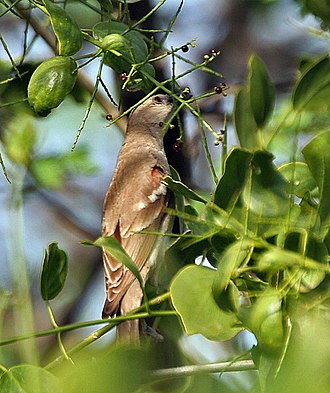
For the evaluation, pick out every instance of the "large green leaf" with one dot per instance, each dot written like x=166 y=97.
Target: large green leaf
x=120 y=370
x=192 y=297
x=299 y=176
x=266 y=192
x=136 y=52
x=179 y=188
x=52 y=171
x=264 y=318
x=228 y=262
x=65 y=28
x=232 y=181
x=53 y=272
x=313 y=87
x=28 y=379
x=317 y=156
x=261 y=91
x=245 y=125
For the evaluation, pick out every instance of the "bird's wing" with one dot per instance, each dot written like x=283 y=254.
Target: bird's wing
x=136 y=210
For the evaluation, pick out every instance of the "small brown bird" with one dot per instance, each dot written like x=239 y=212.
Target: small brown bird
x=135 y=201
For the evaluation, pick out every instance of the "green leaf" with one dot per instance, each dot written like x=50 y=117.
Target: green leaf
x=53 y=272
x=313 y=87
x=135 y=53
x=317 y=156
x=261 y=91
x=264 y=318
x=28 y=379
x=232 y=181
x=299 y=177
x=267 y=191
x=179 y=203
x=228 y=263
x=121 y=369
x=19 y=140
x=245 y=125
x=106 y=4
x=179 y=188
x=113 y=247
x=65 y=28
x=192 y=297
x=51 y=171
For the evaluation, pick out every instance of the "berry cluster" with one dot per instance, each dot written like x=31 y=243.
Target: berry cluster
x=211 y=55
x=221 y=89
x=219 y=138
x=177 y=146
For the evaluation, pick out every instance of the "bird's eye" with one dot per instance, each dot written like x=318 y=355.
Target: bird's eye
x=158 y=100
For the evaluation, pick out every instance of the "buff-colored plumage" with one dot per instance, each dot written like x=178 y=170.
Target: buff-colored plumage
x=135 y=201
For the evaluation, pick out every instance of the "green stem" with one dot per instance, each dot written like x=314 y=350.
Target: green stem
x=185 y=371
x=145 y=17
x=59 y=339
x=2 y=164
x=207 y=151
x=3 y=368
x=132 y=315
x=102 y=331
x=82 y=125
x=23 y=310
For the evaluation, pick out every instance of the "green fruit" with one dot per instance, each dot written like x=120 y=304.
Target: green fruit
x=114 y=42
x=50 y=83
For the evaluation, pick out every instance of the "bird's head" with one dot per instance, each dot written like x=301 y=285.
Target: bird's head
x=153 y=112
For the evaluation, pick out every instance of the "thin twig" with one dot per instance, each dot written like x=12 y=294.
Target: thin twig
x=185 y=371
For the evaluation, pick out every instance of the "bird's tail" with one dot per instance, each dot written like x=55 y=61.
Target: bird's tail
x=128 y=332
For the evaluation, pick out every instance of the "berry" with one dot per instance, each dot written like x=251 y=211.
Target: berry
x=108 y=117
x=177 y=146
x=218 y=89
x=161 y=124
x=185 y=48
x=123 y=76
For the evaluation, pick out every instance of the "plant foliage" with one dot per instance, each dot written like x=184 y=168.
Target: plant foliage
x=253 y=256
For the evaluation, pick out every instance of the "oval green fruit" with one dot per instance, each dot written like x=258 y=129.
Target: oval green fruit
x=50 y=83
x=114 y=42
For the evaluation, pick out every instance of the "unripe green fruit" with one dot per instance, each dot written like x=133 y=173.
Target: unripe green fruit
x=114 y=42
x=50 y=83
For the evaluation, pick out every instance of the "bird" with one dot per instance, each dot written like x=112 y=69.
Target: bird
x=136 y=201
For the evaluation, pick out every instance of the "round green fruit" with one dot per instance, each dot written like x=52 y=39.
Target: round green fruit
x=114 y=42
x=50 y=83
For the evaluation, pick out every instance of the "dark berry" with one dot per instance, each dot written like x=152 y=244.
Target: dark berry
x=218 y=89
x=213 y=52
x=222 y=85
x=185 y=48
x=123 y=76
x=108 y=117
x=161 y=124
x=177 y=146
